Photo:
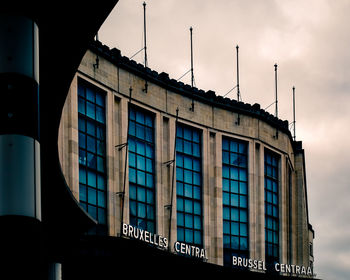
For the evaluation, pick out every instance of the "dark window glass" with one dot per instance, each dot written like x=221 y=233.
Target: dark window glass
x=189 y=185
x=141 y=169
x=271 y=207
x=92 y=155
x=235 y=199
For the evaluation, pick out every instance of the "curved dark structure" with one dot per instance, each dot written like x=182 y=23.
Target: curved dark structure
x=65 y=28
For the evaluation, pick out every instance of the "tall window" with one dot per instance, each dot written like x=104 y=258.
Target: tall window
x=235 y=199
x=141 y=169
x=271 y=207
x=189 y=185
x=92 y=153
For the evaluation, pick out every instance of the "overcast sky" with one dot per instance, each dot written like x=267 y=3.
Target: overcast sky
x=310 y=42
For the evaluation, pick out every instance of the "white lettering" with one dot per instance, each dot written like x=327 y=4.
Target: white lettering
x=165 y=243
x=141 y=235
x=176 y=246
x=293 y=268
x=255 y=264
x=125 y=229
x=309 y=271
x=234 y=260
x=277 y=265
x=131 y=229
x=197 y=252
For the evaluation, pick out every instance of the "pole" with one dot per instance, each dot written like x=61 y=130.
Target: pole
x=294 y=111
x=238 y=92
x=144 y=26
x=173 y=175
x=192 y=76
x=276 y=103
x=125 y=145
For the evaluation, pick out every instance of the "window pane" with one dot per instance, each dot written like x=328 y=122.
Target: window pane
x=91 y=179
x=100 y=115
x=179 y=188
x=188 y=206
x=132 y=192
x=141 y=178
x=90 y=110
x=92 y=196
x=101 y=199
x=82 y=192
x=180 y=219
x=82 y=175
x=82 y=140
x=197 y=208
x=188 y=190
x=141 y=195
x=141 y=210
x=81 y=105
x=188 y=221
x=102 y=216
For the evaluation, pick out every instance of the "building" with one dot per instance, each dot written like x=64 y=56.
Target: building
x=184 y=173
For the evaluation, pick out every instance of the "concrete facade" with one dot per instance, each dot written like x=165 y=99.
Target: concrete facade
x=215 y=117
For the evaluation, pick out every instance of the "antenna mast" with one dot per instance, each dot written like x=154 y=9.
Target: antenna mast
x=294 y=113
x=276 y=103
x=144 y=25
x=192 y=76
x=238 y=92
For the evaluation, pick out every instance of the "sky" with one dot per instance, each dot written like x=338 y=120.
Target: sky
x=309 y=40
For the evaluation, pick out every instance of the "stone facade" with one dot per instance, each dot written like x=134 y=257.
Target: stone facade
x=215 y=117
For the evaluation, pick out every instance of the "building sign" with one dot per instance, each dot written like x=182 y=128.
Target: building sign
x=162 y=242
x=190 y=250
x=145 y=236
x=248 y=263
x=278 y=267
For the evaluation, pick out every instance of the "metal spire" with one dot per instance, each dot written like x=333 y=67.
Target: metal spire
x=145 y=35
x=294 y=113
x=238 y=92
x=276 y=103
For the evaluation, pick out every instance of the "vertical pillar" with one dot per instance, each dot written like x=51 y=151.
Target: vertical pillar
x=55 y=271
x=20 y=192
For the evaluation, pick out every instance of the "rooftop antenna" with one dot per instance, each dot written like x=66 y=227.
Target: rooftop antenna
x=144 y=31
x=294 y=112
x=238 y=92
x=145 y=42
x=237 y=85
x=276 y=102
x=192 y=75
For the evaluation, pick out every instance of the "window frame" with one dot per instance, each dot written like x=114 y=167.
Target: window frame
x=235 y=156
